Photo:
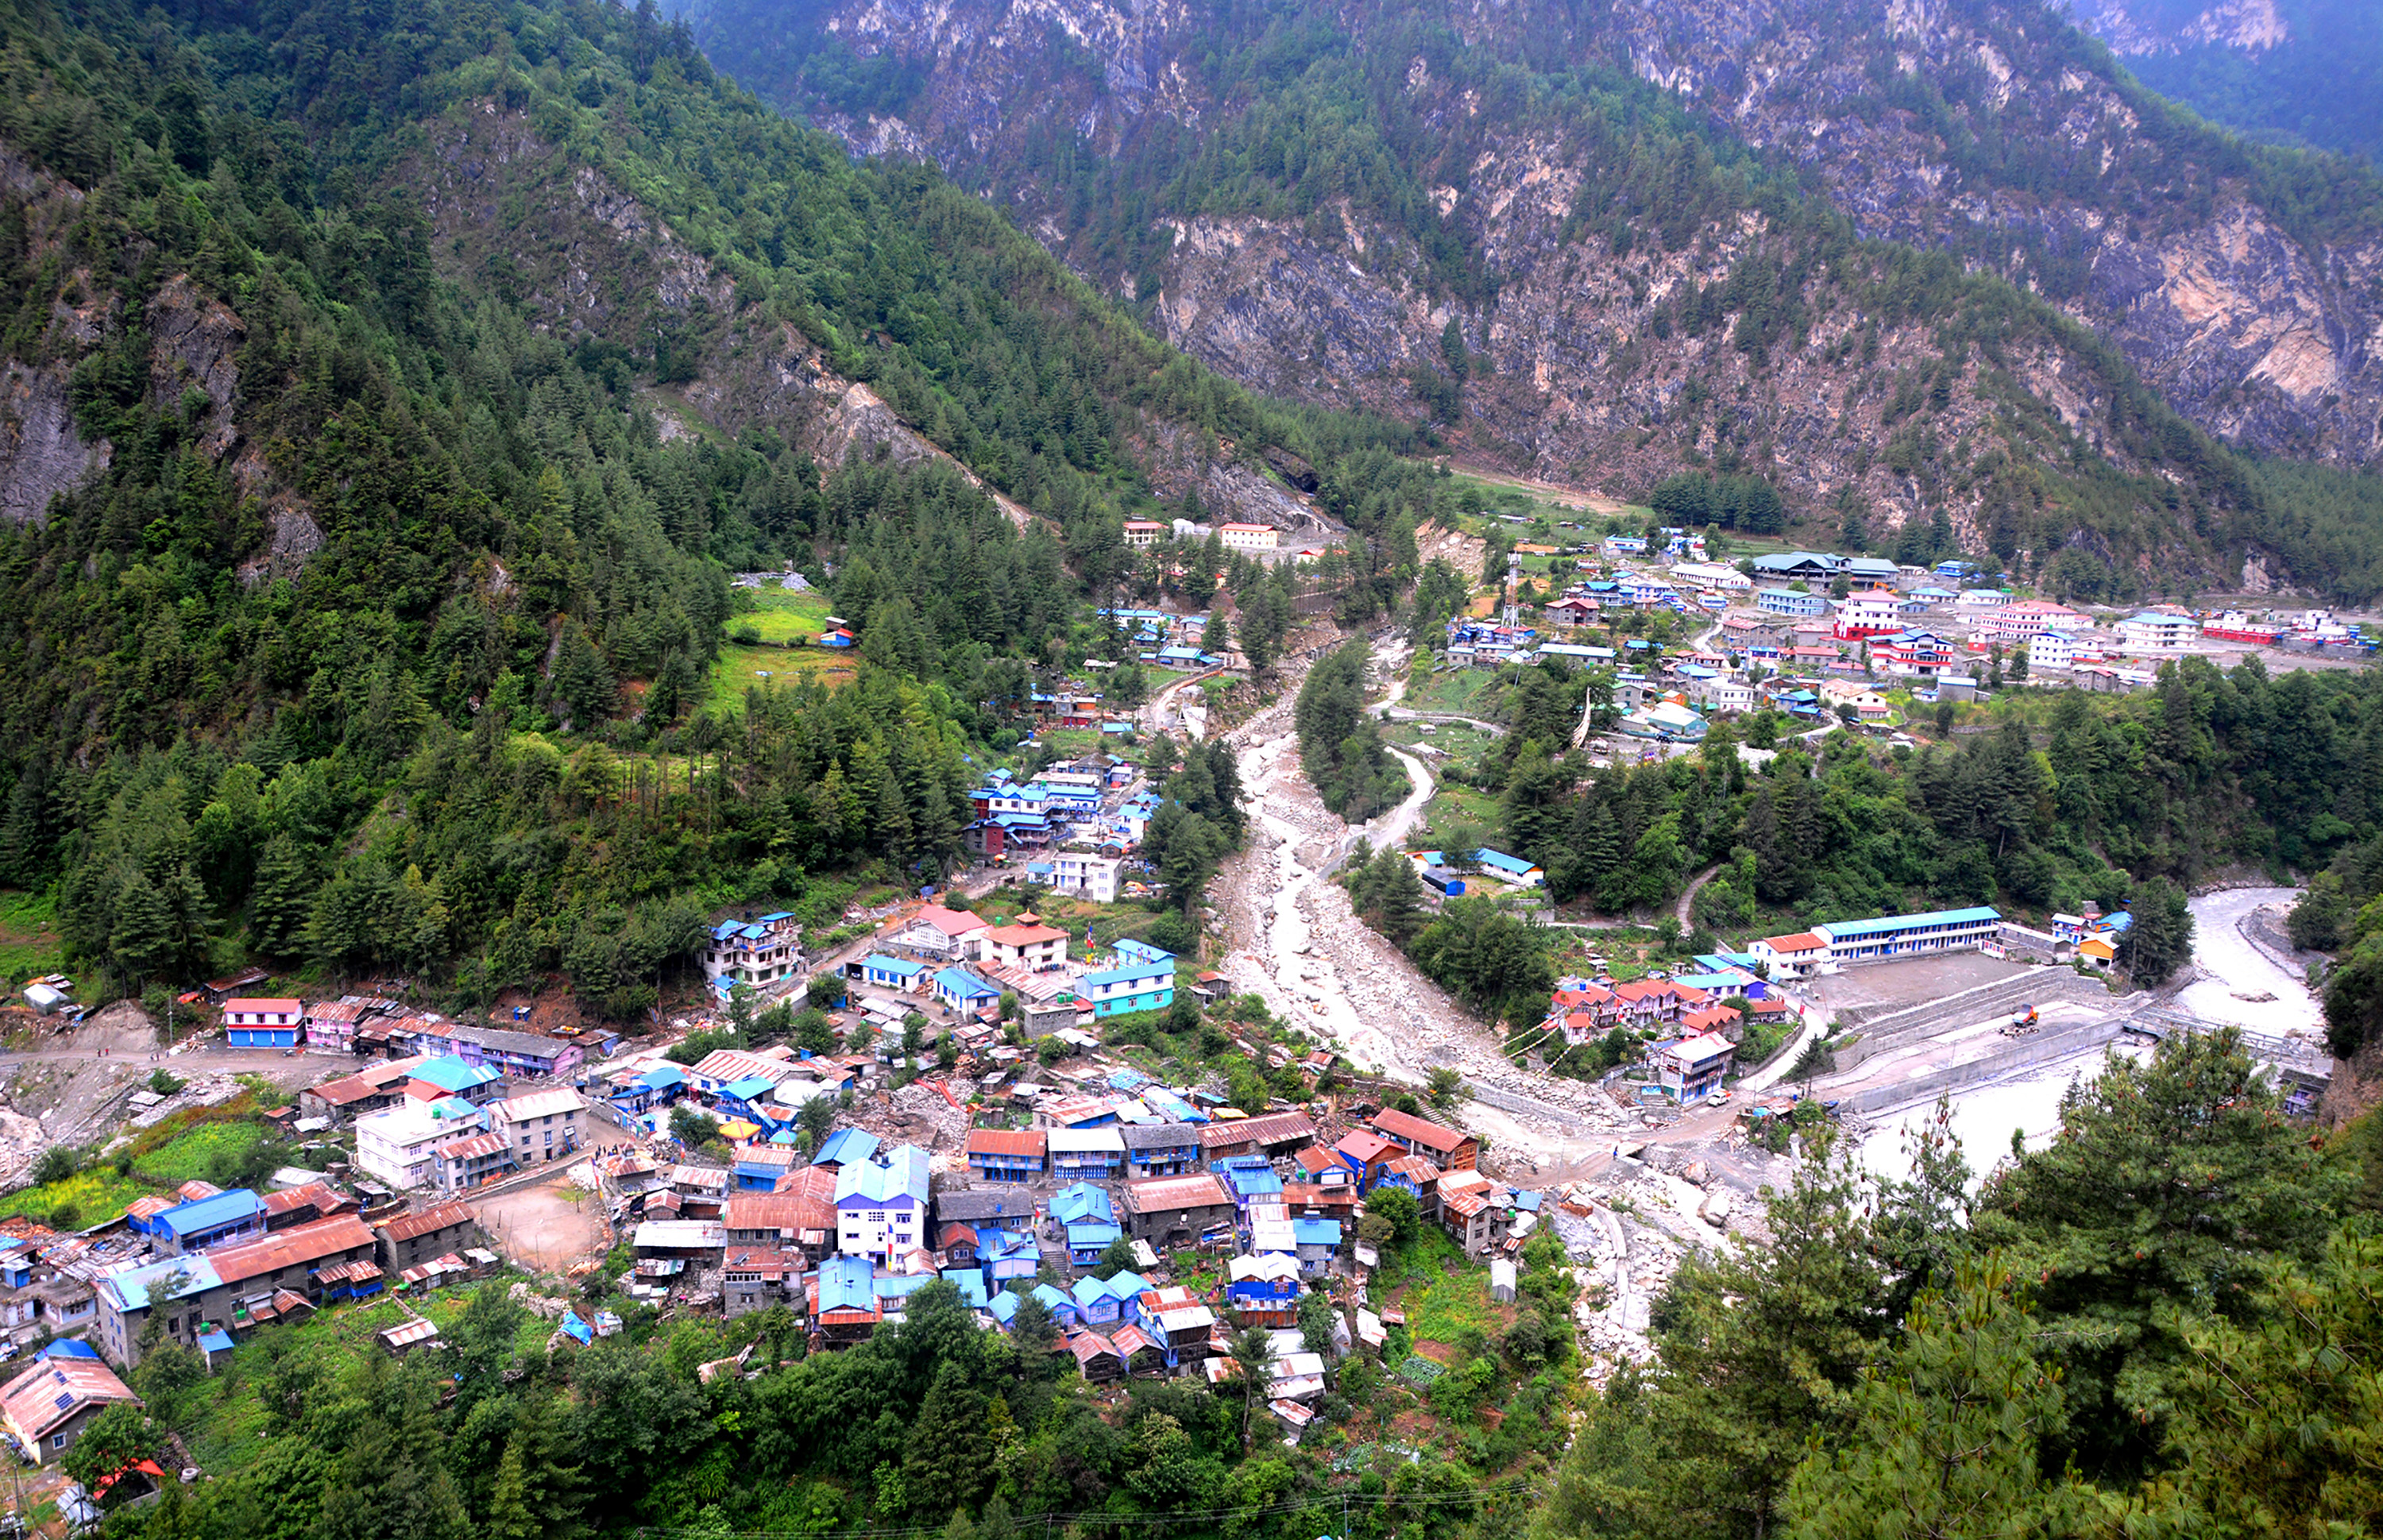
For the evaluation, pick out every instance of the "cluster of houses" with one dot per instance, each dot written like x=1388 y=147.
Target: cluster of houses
x=966 y=964
x=370 y=1025
x=1695 y=1034
x=208 y=1266
x=844 y=1240
x=1164 y=640
x=1067 y=804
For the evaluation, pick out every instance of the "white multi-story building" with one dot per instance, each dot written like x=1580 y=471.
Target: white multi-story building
x=399 y=1145
x=1088 y=877
x=1248 y=536
x=541 y=1125
x=2152 y=632
x=756 y=952
x=2051 y=649
x=2017 y=622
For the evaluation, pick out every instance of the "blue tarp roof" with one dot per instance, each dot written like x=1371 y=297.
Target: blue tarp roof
x=580 y=1330
x=214 y=1341
x=846 y=1146
x=68 y=1347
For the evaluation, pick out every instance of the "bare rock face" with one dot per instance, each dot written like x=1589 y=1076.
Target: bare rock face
x=192 y=342
x=2255 y=327
x=41 y=454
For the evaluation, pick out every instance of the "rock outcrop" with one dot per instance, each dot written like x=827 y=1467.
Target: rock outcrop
x=1996 y=132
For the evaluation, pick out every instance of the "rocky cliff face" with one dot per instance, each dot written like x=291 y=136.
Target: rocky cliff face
x=2136 y=28
x=193 y=371
x=2255 y=332
x=1990 y=130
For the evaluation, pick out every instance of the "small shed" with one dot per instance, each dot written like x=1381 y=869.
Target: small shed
x=1501 y=1280
x=45 y=999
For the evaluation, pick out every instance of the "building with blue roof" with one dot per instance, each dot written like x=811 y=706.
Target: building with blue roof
x=1061 y=1306
x=844 y=1283
x=1511 y=868
x=960 y=990
x=1007 y=1254
x=846 y=1147
x=880 y=1204
x=1082 y=1200
x=447 y=1075
x=890 y=973
x=1853 y=940
x=741 y=1098
x=1133 y=985
x=203 y=1222
x=1003 y=1307
x=970 y=1283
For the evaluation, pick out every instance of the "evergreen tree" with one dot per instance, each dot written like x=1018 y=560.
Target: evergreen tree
x=2159 y=941
x=1946 y=1437
x=2169 y=1184
x=948 y=1457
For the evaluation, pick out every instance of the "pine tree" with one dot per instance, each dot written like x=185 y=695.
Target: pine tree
x=1945 y=1439
x=948 y=1452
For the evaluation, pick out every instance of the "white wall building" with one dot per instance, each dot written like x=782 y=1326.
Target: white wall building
x=1248 y=536
x=541 y=1125
x=2152 y=632
x=1089 y=877
x=2051 y=649
x=397 y=1145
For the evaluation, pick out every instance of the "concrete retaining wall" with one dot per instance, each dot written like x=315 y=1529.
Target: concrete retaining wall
x=2025 y=1055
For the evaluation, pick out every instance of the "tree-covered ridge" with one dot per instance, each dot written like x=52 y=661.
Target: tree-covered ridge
x=379 y=634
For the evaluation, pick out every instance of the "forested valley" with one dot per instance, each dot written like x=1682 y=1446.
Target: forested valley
x=381 y=636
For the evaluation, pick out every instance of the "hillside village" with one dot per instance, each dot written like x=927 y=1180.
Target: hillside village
x=1826 y=639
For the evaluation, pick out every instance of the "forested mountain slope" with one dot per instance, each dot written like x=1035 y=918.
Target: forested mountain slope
x=2303 y=72
x=390 y=397
x=1635 y=236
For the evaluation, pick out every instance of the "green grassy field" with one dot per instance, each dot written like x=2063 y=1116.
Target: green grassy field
x=86 y=1197
x=1456 y=690
x=1455 y=806
x=29 y=946
x=739 y=668
x=190 y=1156
x=779 y=617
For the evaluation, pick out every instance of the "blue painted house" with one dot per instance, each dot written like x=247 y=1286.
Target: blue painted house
x=960 y=990
x=890 y=973
x=1061 y=1306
